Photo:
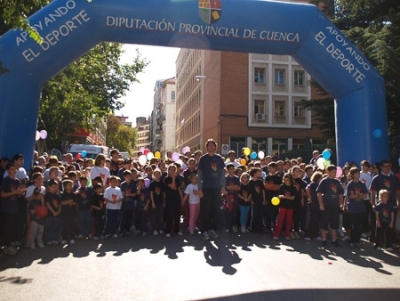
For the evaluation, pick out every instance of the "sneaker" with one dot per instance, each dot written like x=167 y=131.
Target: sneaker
x=364 y=235
x=180 y=232
x=54 y=242
x=168 y=235
x=288 y=238
x=352 y=245
x=235 y=229
x=346 y=238
x=206 y=236
x=389 y=249
x=15 y=244
x=214 y=234
x=191 y=232
x=72 y=242
x=243 y=230
x=144 y=233
x=95 y=238
x=80 y=236
x=292 y=236
x=155 y=232
x=101 y=236
x=161 y=231
x=226 y=230
x=318 y=238
x=115 y=236
x=323 y=243
x=40 y=245
x=297 y=235
x=335 y=243
x=275 y=238
x=10 y=250
x=378 y=248
x=307 y=239
x=90 y=236
x=49 y=243
x=63 y=242
x=32 y=246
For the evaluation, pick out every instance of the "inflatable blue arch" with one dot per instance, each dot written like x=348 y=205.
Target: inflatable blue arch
x=72 y=27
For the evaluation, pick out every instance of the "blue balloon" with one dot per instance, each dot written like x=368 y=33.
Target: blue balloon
x=83 y=153
x=253 y=155
x=377 y=133
x=326 y=154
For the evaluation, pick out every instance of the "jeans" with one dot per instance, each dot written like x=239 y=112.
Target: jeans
x=257 y=218
x=126 y=220
x=172 y=211
x=313 y=224
x=36 y=232
x=384 y=232
x=244 y=212
x=157 y=216
x=85 y=223
x=112 y=221
x=53 y=228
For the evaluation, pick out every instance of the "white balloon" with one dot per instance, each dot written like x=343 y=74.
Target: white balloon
x=320 y=163
x=142 y=160
x=37 y=137
x=150 y=156
x=261 y=155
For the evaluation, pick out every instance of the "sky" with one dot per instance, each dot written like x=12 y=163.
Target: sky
x=139 y=100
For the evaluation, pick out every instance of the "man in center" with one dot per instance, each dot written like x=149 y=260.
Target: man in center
x=211 y=183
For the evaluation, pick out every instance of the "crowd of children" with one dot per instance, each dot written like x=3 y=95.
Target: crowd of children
x=111 y=197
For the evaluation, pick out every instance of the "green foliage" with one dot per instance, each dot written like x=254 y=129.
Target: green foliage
x=374 y=27
x=120 y=136
x=323 y=110
x=87 y=90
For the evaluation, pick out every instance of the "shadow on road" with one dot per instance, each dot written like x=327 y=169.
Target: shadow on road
x=220 y=252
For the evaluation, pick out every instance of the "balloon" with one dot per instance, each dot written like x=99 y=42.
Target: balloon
x=145 y=152
x=78 y=156
x=180 y=162
x=327 y=163
x=339 y=172
x=175 y=157
x=43 y=134
x=185 y=149
x=275 y=201
x=147 y=182
x=41 y=211
x=261 y=155
x=377 y=133
x=320 y=163
x=326 y=154
x=150 y=156
x=253 y=156
x=157 y=154
x=83 y=153
x=37 y=137
x=243 y=161
x=246 y=151
x=142 y=160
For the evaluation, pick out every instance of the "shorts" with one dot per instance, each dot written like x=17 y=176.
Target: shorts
x=329 y=217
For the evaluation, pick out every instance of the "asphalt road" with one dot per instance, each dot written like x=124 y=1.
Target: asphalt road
x=232 y=267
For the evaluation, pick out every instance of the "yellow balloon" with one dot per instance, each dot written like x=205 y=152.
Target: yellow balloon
x=157 y=155
x=275 y=201
x=246 y=151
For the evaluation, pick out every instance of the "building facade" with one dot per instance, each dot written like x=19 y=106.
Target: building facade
x=242 y=100
x=163 y=116
x=143 y=133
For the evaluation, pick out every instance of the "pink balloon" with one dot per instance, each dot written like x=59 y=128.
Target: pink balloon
x=175 y=157
x=43 y=134
x=339 y=172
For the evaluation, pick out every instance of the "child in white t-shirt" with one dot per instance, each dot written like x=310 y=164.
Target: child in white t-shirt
x=191 y=193
x=113 y=198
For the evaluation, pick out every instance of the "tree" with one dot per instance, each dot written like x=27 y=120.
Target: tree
x=120 y=136
x=87 y=90
x=374 y=27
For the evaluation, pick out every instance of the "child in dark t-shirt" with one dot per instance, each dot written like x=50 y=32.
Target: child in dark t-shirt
x=52 y=200
x=68 y=212
x=128 y=188
x=84 y=214
x=157 y=196
x=98 y=212
x=384 y=221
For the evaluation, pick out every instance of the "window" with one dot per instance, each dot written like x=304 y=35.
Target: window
x=259 y=144
x=279 y=77
x=298 y=143
x=299 y=110
x=299 y=78
x=237 y=143
x=279 y=146
x=280 y=109
x=259 y=106
x=259 y=75
x=173 y=95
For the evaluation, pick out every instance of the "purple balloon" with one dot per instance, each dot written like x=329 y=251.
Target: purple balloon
x=175 y=157
x=147 y=182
